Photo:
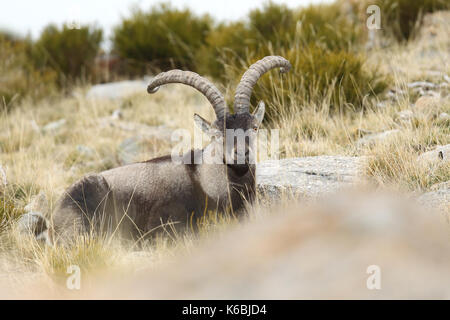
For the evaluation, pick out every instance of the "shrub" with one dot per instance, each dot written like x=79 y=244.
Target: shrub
x=401 y=17
x=274 y=28
x=69 y=52
x=161 y=38
x=227 y=43
x=273 y=23
x=326 y=25
x=18 y=75
x=318 y=74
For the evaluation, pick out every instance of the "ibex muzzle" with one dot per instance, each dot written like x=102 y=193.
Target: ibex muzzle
x=139 y=198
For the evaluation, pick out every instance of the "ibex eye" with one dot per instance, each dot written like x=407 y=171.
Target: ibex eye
x=255 y=128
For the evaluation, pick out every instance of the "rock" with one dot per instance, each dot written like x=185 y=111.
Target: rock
x=35 y=126
x=85 y=151
x=309 y=176
x=128 y=150
x=54 y=126
x=381 y=104
x=34 y=223
x=444 y=116
x=438 y=198
x=362 y=132
x=440 y=153
x=426 y=105
x=117 y=90
x=394 y=94
x=3 y=181
x=38 y=203
x=421 y=84
x=372 y=138
x=161 y=132
x=440 y=186
x=117 y=114
x=434 y=73
x=427 y=93
x=405 y=115
x=447 y=78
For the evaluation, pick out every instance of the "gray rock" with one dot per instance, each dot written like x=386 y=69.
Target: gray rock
x=381 y=104
x=427 y=93
x=117 y=90
x=405 y=115
x=85 y=150
x=3 y=181
x=35 y=126
x=33 y=223
x=309 y=176
x=161 y=132
x=440 y=153
x=128 y=150
x=421 y=84
x=394 y=94
x=38 y=203
x=444 y=116
x=379 y=136
x=117 y=114
x=439 y=198
x=427 y=105
x=434 y=73
x=54 y=126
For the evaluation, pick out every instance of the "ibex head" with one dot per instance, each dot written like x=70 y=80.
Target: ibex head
x=242 y=121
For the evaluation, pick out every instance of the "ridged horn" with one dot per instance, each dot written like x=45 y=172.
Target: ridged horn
x=196 y=81
x=255 y=71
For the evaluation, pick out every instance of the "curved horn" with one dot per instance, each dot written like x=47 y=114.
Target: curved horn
x=194 y=80
x=251 y=76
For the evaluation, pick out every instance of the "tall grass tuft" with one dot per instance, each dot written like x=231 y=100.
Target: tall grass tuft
x=402 y=18
x=69 y=52
x=161 y=38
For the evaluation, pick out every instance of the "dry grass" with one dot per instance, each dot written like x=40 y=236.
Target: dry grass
x=42 y=161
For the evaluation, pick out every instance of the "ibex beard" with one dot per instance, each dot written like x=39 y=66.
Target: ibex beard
x=137 y=200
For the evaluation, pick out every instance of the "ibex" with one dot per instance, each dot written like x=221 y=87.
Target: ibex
x=141 y=197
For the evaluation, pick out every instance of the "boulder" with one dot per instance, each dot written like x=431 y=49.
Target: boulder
x=33 y=223
x=309 y=176
x=421 y=84
x=3 y=181
x=54 y=126
x=426 y=105
x=117 y=114
x=444 y=116
x=38 y=203
x=161 y=132
x=438 y=198
x=117 y=90
x=405 y=116
x=128 y=150
x=374 y=137
x=440 y=153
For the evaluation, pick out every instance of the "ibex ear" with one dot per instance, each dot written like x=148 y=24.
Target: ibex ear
x=205 y=126
x=259 y=112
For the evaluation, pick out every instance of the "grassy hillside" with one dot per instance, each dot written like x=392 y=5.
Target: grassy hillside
x=40 y=159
